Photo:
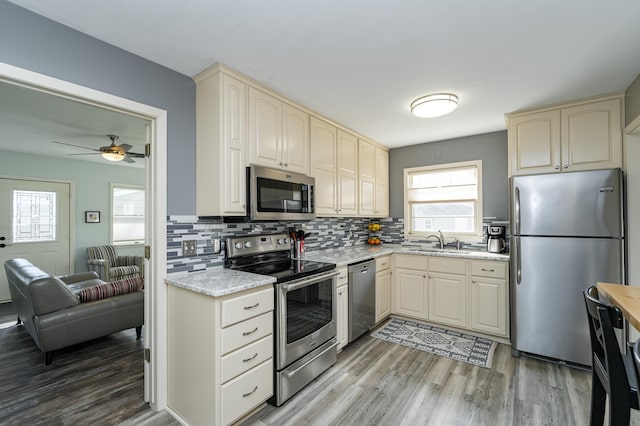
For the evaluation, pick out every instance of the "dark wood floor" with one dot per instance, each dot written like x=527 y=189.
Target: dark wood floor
x=373 y=383
x=98 y=382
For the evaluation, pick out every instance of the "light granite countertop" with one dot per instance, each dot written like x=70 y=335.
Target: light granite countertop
x=345 y=256
x=219 y=281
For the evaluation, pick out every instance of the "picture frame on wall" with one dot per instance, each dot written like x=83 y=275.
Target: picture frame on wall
x=91 y=216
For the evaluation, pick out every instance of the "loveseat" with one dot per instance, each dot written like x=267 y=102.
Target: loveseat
x=63 y=311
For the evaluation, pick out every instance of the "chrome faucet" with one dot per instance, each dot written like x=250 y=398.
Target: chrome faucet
x=439 y=237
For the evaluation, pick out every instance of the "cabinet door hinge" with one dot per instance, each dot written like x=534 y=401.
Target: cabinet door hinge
x=147 y=355
x=147 y=252
x=147 y=150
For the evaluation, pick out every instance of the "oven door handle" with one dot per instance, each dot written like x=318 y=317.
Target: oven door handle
x=305 y=283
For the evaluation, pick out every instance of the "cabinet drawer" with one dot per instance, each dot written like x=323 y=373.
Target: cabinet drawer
x=489 y=269
x=240 y=308
x=448 y=265
x=412 y=262
x=246 y=332
x=343 y=277
x=245 y=392
x=383 y=263
x=246 y=358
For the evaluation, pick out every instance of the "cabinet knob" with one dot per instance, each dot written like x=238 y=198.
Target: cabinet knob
x=566 y=166
x=557 y=167
x=286 y=164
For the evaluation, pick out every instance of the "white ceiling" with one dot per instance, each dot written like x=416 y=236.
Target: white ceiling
x=361 y=62
x=31 y=120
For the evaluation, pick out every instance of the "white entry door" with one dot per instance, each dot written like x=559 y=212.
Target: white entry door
x=34 y=225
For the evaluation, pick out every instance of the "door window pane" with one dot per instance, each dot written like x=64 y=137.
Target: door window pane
x=34 y=216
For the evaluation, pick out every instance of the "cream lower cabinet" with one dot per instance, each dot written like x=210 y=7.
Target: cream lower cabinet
x=383 y=288
x=411 y=295
x=462 y=293
x=220 y=354
x=342 y=332
x=489 y=296
x=448 y=291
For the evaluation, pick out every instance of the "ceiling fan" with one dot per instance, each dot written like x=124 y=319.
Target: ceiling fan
x=111 y=152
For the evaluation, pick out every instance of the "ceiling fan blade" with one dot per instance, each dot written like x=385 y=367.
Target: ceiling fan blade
x=126 y=159
x=135 y=155
x=77 y=146
x=125 y=147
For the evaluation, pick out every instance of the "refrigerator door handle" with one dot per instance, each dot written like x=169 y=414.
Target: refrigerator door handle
x=516 y=242
x=516 y=210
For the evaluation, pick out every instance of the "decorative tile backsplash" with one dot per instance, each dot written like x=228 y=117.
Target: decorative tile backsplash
x=325 y=233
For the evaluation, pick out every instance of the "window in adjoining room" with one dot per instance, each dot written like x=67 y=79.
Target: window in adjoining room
x=127 y=214
x=445 y=197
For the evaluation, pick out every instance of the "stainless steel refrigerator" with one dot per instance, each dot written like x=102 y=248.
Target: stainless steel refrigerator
x=567 y=234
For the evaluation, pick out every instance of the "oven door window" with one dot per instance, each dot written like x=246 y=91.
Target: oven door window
x=280 y=196
x=309 y=309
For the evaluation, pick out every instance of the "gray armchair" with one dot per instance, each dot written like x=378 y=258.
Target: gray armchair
x=110 y=267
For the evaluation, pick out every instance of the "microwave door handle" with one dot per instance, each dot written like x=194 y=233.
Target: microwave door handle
x=305 y=283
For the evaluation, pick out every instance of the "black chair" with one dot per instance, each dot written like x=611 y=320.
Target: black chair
x=613 y=373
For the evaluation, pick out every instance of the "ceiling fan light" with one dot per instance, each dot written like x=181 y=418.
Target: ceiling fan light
x=435 y=105
x=112 y=156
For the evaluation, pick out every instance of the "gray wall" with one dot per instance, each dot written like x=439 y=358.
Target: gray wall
x=632 y=101
x=38 y=44
x=491 y=148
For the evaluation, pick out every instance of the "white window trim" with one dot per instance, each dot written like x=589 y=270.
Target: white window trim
x=476 y=236
x=123 y=185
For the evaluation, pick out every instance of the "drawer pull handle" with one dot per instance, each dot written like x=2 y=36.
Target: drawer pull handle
x=250 y=359
x=488 y=270
x=246 y=333
x=246 y=308
x=244 y=395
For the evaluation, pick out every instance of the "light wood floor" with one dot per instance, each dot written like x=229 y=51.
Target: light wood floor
x=373 y=383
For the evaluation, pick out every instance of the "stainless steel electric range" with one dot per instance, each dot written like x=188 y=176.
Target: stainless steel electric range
x=305 y=308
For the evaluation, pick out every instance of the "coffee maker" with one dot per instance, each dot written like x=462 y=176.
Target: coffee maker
x=495 y=240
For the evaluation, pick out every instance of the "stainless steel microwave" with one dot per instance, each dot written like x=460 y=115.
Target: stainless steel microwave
x=279 y=195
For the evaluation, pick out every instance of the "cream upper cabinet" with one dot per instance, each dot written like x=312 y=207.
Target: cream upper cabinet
x=373 y=179
x=278 y=133
x=580 y=136
x=221 y=129
x=367 y=177
x=534 y=143
x=334 y=165
x=591 y=135
x=381 y=198
x=323 y=166
x=347 y=173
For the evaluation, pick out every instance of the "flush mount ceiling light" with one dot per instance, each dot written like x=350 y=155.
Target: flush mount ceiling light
x=434 y=105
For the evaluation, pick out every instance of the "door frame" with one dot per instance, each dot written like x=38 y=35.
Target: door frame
x=155 y=294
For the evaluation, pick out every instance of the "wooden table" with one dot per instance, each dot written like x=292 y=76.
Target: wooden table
x=626 y=297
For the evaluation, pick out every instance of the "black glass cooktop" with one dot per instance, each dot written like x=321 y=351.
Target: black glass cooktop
x=288 y=270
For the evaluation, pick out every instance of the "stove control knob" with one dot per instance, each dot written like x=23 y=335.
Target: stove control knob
x=285 y=241
x=238 y=245
x=279 y=241
x=247 y=244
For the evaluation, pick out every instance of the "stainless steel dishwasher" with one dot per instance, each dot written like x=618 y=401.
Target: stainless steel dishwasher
x=362 y=298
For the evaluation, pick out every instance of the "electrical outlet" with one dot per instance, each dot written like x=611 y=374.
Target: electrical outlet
x=189 y=247
x=216 y=246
